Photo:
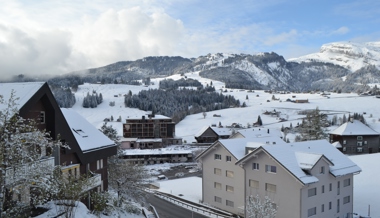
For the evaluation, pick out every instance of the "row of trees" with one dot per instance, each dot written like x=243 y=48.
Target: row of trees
x=92 y=101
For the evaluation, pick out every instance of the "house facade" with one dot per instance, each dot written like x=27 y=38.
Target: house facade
x=354 y=137
x=312 y=178
x=211 y=134
x=150 y=127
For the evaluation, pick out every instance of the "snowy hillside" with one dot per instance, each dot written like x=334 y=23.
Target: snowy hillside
x=257 y=103
x=350 y=55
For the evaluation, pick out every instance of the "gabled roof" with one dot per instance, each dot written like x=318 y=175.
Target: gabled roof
x=217 y=131
x=260 y=132
x=22 y=91
x=353 y=128
x=337 y=144
x=295 y=156
x=87 y=136
x=236 y=147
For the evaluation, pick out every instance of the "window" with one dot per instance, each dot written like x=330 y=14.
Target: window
x=346 y=182
x=217 y=157
x=346 y=200
x=42 y=117
x=338 y=188
x=323 y=189
x=359 y=149
x=228 y=158
x=217 y=185
x=217 y=171
x=330 y=188
x=312 y=192
x=311 y=212
x=230 y=174
x=359 y=143
x=337 y=206
x=359 y=138
x=270 y=169
x=99 y=164
x=218 y=199
x=365 y=142
x=229 y=203
x=229 y=188
x=253 y=183
x=270 y=187
x=322 y=170
x=344 y=148
x=255 y=166
x=344 y=142
x=323 y=208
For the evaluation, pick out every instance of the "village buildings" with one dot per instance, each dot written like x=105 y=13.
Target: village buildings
x=147 y=132
x=313 y=178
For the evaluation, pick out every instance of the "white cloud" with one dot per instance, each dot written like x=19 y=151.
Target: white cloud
x=340 y=31
x=127 y=34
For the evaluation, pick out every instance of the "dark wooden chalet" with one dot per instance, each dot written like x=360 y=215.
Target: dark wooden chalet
x=36 y=101
x=212 y=134
x=354 y=137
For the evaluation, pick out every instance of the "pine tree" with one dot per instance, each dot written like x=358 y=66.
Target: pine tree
x=313 y=126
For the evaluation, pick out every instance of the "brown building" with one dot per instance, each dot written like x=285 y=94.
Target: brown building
x=89 y=148
x=211 y=134
x=150 y=127
x=354 y=137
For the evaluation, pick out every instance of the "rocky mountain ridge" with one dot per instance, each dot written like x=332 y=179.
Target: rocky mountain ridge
x=338 y=66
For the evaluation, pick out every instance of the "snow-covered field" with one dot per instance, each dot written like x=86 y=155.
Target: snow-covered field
x=346 y=103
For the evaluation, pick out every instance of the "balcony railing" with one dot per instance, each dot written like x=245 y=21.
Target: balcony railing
x=16 y=173
x=94 y=181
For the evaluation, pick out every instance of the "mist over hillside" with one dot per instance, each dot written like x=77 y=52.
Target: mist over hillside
x=344 y=67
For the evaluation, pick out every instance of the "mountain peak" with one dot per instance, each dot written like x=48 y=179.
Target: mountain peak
x=350 y=55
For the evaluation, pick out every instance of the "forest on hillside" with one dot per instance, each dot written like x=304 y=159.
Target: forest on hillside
x=177 y=103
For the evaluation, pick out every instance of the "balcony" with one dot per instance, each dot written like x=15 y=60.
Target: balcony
x=13 y=174
x=93 y=182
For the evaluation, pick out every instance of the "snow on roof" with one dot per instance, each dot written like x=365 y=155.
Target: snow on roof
x=222 y=131
x=23 y=91
x=286 y=155
x=87 y=136
x=307 y=161
x=167 y=150
x=337 y=144
x=235 y=146
x=200 y=132
x=259 y=132
x=156 y=117
x=354 y=127
x=149 y=140
x=218 y=131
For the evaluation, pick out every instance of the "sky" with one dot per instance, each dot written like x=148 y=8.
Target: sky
x=56 y=37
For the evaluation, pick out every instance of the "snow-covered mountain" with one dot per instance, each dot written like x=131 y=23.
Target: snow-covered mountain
x=350 y=55
x=343 y=66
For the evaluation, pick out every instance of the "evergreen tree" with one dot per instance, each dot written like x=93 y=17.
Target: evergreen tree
x=259 y=121
x=313 y=126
